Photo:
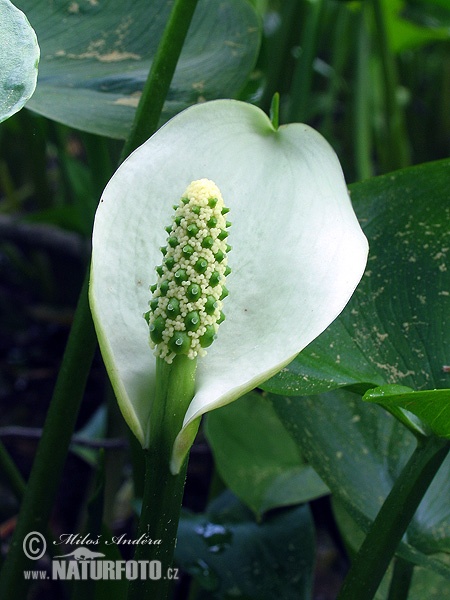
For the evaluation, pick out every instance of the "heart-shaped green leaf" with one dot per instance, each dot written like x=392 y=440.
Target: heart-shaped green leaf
x=19 y=59
x=432 y=407
x=359 y=450
x=396 y=328
x=257 y=458
x=96 y=57
x=298 y=251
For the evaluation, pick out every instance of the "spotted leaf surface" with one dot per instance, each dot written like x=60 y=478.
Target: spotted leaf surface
x=96 y=56
x=396 y=329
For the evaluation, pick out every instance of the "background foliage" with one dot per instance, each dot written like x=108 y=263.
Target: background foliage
x=374 y=78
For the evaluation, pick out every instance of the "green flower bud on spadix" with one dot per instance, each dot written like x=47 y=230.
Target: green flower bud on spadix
x=186 y=306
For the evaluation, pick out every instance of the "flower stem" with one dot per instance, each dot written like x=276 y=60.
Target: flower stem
x=380 y=544
x=279 y=50
x=397 y=139
x=339 y=58
x=362 y=133
x=163 y=491
x=15 y=479
x=401 y=579
x=303 y=75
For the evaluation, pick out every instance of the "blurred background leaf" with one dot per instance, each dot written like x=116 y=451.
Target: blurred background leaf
x=256 y=457
x=230 y=555
x=96 y=56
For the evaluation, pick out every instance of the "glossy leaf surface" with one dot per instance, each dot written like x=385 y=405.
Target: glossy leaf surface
x=359 y=450
x=257 y=458
x=231 y=555
x=432 y=407
x=96 y=57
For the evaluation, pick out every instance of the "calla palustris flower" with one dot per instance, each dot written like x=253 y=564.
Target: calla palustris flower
x=297 y=255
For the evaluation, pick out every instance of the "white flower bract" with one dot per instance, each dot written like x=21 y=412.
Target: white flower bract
x=298 y=253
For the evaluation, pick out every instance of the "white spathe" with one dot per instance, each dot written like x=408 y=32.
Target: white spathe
x=297 y=254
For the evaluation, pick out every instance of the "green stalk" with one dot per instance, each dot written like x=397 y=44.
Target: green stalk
x=386 y=532
x=339 y=57
x=397 y=140
x=13 y=475
x=163 y=493
x=278 y=51
x=401 y=579
x=51 y=453
x=302 y=80
x=163 y=67
x=362 y=142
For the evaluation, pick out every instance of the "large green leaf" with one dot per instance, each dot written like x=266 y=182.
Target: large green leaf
x=396 y=328
x=359 y=450
x=257 y=458
x=432 y=407
x=19 y=59
x=232 y=556
x=96 y=57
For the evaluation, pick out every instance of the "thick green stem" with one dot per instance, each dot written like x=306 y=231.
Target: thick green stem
x=163 y=67
x=163 y=491
x=377 y=550
x=363 y=98
x=339 y=57
x=397 y=139
x=401 y=579
x=13 y=475
x=47 y=468
x=278 y=50
x=302 y=80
